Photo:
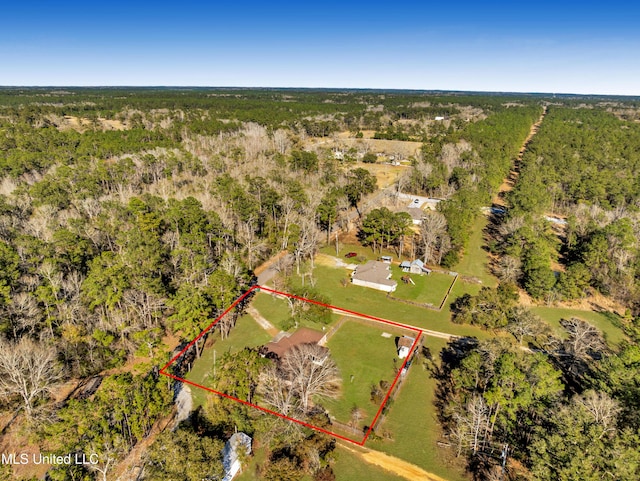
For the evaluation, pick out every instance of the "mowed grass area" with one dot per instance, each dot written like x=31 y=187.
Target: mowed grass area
x=552 y=315
x=428 y=289
x=475 y=259
x=246 y=333
x=273 y=309
x=375 y=303
x=413 y=424
x=362 y=251
x=364 y=358
x=276 y=311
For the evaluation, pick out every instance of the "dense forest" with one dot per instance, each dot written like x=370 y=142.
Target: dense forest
x=131 y=218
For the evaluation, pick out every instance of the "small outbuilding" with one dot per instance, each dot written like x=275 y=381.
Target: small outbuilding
x=239 y=444
x=404 y=346
x=415 y=267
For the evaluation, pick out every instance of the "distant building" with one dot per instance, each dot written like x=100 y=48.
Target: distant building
x=236 y=444
x=386 y=259
x=439 y=118
x=404 y=346
x=374 y=274
x=416 y=215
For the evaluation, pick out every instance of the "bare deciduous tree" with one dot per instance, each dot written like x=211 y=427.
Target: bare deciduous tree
x=470 y=426
x=509 y=269
x=281 y=141
x=523 y=322
x=276 y=392
x=603 y=408
x=584 y=339
x=307 y=243
x=27 y=369
x=311 y=372
x=432 y=230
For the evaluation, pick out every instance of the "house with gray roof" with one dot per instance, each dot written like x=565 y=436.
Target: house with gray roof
x=374 y=274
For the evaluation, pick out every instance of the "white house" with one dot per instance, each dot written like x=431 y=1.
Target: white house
x=374 y=274
x=404 y=346
x=230 y=454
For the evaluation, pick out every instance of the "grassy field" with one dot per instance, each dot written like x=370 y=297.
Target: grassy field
x=428 y=289
x=375 y=303
x=364 y=357
x=475 y=259
x=412 y=422
x=553 y=315
x=246 y=333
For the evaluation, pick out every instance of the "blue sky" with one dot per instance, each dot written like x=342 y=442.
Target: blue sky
x=537 y=46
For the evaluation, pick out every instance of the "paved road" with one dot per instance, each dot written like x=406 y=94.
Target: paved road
x=267 y=271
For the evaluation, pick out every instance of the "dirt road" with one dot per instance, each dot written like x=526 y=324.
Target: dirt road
x=509 y=182
x=266 y=325
x=394 y=465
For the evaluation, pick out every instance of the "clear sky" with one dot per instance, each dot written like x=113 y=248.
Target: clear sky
x=535 y=46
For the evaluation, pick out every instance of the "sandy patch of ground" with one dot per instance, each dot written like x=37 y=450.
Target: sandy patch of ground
x=81 y=124
x=395 y=465
x=366 y=134
x=386 y=174
x=345 y=141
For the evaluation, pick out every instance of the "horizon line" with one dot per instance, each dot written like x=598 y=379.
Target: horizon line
x=329 y=89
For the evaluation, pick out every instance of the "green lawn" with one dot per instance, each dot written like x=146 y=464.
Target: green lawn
x=364 y=357
x=413 y=425
x=275 y=310
x=428 y=289
x=246 y=333
x=376 y=303
x=475 y=259
x=553 y=315
x=358 y=249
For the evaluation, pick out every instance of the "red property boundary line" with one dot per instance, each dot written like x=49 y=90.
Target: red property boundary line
x=269 y=411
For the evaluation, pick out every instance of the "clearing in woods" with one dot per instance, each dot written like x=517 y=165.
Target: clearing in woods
x=341 y=350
